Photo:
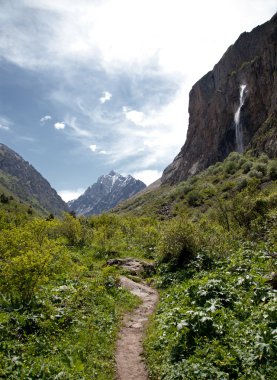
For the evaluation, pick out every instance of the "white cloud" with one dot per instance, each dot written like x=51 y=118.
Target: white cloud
x=78 y=131
x=5 y=123
x=4 y=127
x=147 y=176
x=136 y=117
x=45 y=118
x=105 y=97
x=59 y=125
x=93 y=147
x=175 y=33
x=88 y=38
x=156 y=145
x=69 y=195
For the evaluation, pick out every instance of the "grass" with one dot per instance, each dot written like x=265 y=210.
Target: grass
x=212 y=238
x=70 y=330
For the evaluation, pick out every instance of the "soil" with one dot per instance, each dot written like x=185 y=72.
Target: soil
x=129 y=351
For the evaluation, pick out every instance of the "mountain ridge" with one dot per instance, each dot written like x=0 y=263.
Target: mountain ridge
x=22 y=180
x=106 y=193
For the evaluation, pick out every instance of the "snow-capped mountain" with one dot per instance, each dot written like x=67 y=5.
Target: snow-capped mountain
x=106 y=193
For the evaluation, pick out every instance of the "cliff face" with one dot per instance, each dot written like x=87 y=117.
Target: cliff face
x=106 y=193
x=215 y=98
x=25 y=182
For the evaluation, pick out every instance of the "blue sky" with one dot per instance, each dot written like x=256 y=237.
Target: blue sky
x=95 y=85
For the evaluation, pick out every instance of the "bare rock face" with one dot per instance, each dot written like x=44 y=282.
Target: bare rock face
x=215 y=98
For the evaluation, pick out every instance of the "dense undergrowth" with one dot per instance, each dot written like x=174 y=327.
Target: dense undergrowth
x=213 y=238
x=217 y=277
x=60 y=304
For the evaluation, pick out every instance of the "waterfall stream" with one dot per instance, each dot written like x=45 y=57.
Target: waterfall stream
x=238 y=126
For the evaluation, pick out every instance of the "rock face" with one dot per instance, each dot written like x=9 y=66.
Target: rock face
x=215 y=98
x=106 y=193
x=19 y=178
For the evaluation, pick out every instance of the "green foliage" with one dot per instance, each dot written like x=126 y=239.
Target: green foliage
x=246 y=167
x=272 y=170
x=217 y=324
x=113 y=235
x=213 y=237
x=71 y=229
x=177 y=244
x=27 y=258
x=59 y=313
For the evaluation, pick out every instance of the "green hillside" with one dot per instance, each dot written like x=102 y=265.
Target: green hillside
x=213 y=241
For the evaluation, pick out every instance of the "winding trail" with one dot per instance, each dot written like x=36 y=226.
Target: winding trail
x=129 y=360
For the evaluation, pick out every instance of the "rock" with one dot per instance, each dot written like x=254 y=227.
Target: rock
x=133 y=266
x=215 y=98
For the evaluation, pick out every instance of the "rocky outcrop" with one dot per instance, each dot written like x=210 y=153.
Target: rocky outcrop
x=214 y=99
x=133 y=266
x=21 y=179
x=106 y=193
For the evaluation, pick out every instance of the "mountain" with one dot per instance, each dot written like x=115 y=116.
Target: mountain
x=233 y=107
x=19 y=178
x=106 y=193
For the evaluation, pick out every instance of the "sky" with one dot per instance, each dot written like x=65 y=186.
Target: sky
x=91 y=86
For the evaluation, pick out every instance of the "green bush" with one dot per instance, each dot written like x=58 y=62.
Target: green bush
x=255 y=174
x=177 y=245
x=194 y=198
x=272 y=170
x=28 y=259
x=263 y=158
x=246 y=167
x=230 y=167
x=260 y=167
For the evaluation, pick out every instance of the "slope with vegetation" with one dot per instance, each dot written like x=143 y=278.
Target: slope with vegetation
x=217 y=273
x=21 y=180
x=60 y=305
x=213 y=238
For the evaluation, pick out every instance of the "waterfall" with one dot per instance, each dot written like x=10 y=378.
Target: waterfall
x=238 y=126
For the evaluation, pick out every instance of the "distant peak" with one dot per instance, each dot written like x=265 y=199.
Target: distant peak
x=106 y=193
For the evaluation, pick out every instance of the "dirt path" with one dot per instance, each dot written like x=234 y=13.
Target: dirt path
x=129 y=350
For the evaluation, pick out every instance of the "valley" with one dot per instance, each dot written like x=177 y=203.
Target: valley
x=175 y=281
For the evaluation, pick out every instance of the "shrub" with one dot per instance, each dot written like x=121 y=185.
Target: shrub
x=260 y=167
x=234 y=156
x=272 y=170
x=71 y=229
x=177 y=244
x=230 y=167
x=255 y=174
x=194 y=198
x=263 y=158
x=246 y=167
x=241 y=184
x=28 y=260
x=4 y=198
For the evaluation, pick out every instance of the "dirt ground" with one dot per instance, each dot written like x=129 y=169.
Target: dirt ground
x=129 y=351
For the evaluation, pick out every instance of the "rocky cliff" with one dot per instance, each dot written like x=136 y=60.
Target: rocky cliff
x=215 y=99
x=106 y=193
x=20 y=179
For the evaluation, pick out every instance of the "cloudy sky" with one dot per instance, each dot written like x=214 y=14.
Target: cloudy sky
x=89 y=86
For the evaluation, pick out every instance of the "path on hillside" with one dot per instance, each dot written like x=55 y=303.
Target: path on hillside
x=129 y=350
